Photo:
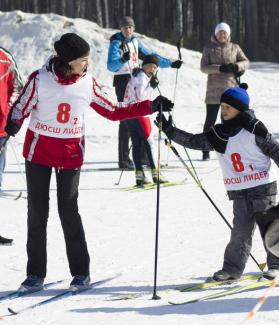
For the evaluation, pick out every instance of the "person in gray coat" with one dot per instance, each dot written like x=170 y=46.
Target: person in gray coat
x=223 y=62
x=243 y=147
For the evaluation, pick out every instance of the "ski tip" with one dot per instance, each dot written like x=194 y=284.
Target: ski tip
x=13 y=312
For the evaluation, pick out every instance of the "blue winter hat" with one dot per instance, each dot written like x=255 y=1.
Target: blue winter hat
x=237 y=97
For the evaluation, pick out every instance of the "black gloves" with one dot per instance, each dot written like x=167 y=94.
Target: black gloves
x=163 y=102
x=229 y=68
x=154 y=82
x=167 y=126
x=126 y=56
x=251 y=124
x=12 y=127
x=176 y=64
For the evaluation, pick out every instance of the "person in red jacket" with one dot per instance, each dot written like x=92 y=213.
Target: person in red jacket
x=10 y=86
x=56 y=97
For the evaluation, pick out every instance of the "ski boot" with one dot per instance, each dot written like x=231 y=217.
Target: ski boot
x=5 y=241
x=126 y=165
x=154 y=174
x=205 y=156
x=80 y=282
x=223 y=276
x=31 y=284
x=141 y=179
x=270 y=274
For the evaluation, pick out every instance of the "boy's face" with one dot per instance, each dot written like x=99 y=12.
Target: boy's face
x=228 y=112
x=127 y=31
x=150 y=69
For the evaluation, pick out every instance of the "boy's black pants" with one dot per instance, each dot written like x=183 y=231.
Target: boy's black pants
x=38 y=183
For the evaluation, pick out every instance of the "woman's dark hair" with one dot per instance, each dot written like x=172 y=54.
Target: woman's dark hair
x=62 y=68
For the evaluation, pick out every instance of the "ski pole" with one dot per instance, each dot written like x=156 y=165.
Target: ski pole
x=122 y=170
x=155 y=296
x=198 y=182
x=18 y=163
x=178 y=45
x=261 y=301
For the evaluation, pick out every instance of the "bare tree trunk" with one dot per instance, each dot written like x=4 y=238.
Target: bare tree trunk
x=178 y=18
x=99 y=13
x=251 y=28
x=162 y=19
x=124 y=10
x=76 y=8
x=52 y=6
x=139 y=17
x=131 y=7
x=61 y=7
x=271 y=26
x=106 y=13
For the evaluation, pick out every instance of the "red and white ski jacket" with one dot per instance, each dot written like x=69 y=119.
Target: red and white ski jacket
x=139 y=89
x=55 y=135
x=10 y=86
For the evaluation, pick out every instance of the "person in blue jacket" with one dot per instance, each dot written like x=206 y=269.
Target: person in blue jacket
x=124 y=53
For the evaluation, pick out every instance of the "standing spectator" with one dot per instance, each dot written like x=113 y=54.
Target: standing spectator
x=10 y=86
x=56 y=97
x=141 y=87
x=124 y=53
x=224 y=62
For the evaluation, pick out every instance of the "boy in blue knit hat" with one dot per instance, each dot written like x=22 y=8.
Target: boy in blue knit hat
x=244 y=147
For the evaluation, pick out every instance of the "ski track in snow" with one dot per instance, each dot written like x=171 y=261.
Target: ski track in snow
x=120 y=226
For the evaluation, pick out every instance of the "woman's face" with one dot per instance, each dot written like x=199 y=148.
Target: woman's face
x=79 y=65
x=222 y=36
x=228 y=112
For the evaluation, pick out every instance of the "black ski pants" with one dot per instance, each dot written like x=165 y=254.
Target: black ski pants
x=138 y=139
x=38 y=185
x=123 y=131
x=211 y=116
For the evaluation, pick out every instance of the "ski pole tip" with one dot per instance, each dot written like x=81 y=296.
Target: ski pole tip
x=156 y=297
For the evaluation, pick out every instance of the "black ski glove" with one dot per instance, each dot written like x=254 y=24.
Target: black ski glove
x=167 y=126
x=12 y=127
x=126 y=56
x=176 y=64
x=163 y=102
x=154 y=82
x=229 y=68
x=252 y=124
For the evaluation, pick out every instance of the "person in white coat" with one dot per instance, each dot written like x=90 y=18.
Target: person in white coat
x=141 y=87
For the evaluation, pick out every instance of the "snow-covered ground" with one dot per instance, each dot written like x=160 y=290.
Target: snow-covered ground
x=120 y=226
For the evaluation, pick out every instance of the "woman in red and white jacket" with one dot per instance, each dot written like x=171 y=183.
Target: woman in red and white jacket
x=56 y=97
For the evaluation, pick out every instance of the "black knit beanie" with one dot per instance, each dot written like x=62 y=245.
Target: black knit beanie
x=71 y=47
x=150 y=59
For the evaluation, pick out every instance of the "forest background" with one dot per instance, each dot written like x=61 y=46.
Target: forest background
x=254 y=22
